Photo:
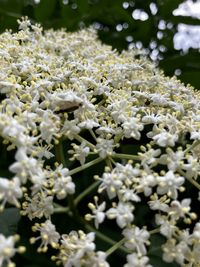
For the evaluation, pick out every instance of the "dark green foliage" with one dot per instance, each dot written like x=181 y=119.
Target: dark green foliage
x=9 y=219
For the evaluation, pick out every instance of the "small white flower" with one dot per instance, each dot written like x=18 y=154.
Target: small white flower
x=169 y=184
x=146 y=183
x=180 y=209
x=192 y=167
x=99 y=260
x=159 y=203
x=173 y=160
x=134 y=260
x=165 y=139
x=111 y=182
x=149 y=157
x=98 y=213
x=132 y=128
x=88 y=124
x=7 y=249
x=136 y=239
x=70 y=128
x=25 y=167
x=79 y=152
x=48 y=235
x=76 y=247
x=38 y=206
x=10 y=191
x=170 y=249
x=49 y=127
x=122 y=213
x=104 y=147
x=167 y=227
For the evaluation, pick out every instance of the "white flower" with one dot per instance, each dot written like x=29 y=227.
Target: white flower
x=159 y=203
x=48 y=235
x=122 y=213
x=25 y=167
x=165 y=138
x=70 y=128
x=13 y=128
x=129 y=194
x=76 y=247
x=8 y=87
x=136 y=239
x=196 y=231
x=134 y=260
x=63 y=184
x=167 y=227
x=10 y=191
x=111 y=182
x=146 y=183
x=150 y=118
x=7 y=249
x=173 y=160
x=104 y=147
x=132 y=128
x=195 y=135
x=49 y=127
x=169 y=184
x=149 y=157
x=88 y=124
x=98 y=213
x=80 y=152
x=192 y=167
x=38 y=206
x=98 y=260
x=170 y=249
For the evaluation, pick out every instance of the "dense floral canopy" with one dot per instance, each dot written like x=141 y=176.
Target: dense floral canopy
x=58 y=86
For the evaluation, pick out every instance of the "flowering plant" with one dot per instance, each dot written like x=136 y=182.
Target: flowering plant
x=102 y=139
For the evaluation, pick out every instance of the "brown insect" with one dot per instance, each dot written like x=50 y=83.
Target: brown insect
x=68 y=106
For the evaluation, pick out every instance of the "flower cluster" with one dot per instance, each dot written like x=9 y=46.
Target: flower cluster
x=70 y=100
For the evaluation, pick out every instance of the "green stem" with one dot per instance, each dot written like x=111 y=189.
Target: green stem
x=115 y=246
x=192 y=181
x=108 y=162
x=10 y=14
x=106 y=238
x=81 y=139
x=125 y=156
x=85 y=192
x=60 y=153
x=60 y=157
x=85 y=166
x=196 y=143
x=93 y=135
x=154 y=231
x=61 y=210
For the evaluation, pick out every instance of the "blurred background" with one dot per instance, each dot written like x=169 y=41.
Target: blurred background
x=169 y=30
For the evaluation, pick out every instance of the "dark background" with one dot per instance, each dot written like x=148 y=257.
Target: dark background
x=116 y=26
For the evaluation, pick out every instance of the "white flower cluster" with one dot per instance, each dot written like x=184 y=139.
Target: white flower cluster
x=58 y=86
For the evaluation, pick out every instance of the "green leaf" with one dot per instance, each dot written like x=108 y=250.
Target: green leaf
x=10 y=11
x=44 y=10
x=9 y=219
x=191 y=77
x=166 y=7
x=70 y=17
x=185 y=20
